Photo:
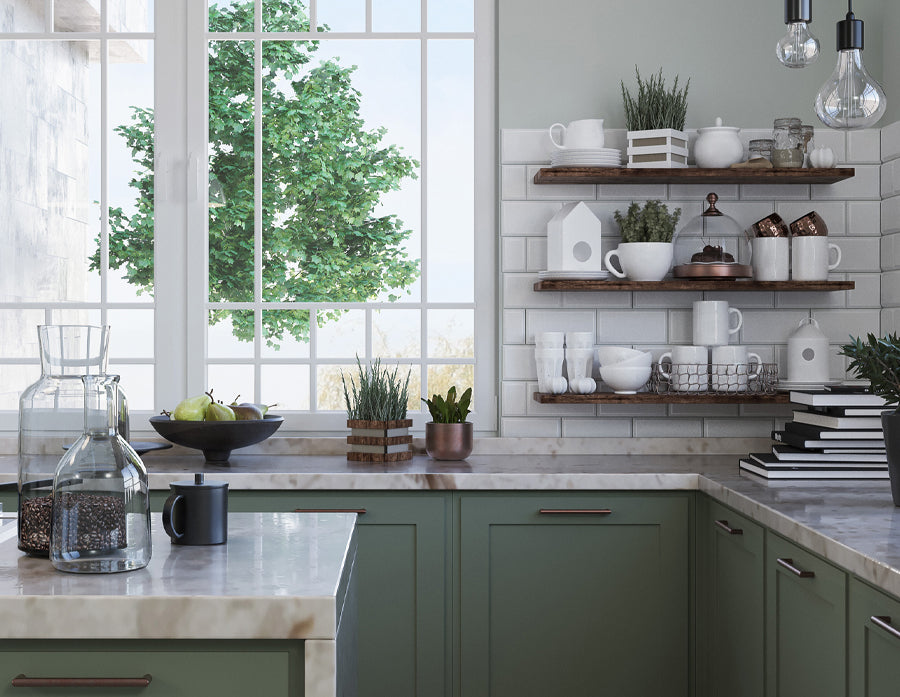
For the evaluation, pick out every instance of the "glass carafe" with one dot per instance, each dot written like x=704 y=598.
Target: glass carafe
x=101 y=499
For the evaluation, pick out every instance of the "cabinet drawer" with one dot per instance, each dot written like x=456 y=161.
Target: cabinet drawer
x=176 y=668
x=874 y=632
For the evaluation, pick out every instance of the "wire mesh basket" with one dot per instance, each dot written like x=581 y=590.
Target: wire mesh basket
x=714 y=378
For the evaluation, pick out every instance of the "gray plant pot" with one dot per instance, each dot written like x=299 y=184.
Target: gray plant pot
x=890 y=422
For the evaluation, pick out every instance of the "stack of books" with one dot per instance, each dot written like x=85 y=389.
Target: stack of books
x=834 y=434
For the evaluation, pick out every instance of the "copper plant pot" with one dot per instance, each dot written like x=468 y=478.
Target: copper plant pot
x=449 y=441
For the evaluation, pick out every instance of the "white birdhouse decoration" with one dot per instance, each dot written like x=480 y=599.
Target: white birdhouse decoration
x=573 y=240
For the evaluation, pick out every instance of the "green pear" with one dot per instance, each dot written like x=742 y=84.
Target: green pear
x=217 y=411
x=192 y=408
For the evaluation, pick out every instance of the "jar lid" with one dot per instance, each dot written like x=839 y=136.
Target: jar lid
x=199 y=483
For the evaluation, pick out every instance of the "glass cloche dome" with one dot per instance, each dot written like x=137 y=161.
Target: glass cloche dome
x=712 y=244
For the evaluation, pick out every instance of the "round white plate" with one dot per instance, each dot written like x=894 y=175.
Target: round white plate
x=589 y=151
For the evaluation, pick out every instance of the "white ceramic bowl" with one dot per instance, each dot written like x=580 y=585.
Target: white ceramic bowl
x=615 y=355
x=625 y=379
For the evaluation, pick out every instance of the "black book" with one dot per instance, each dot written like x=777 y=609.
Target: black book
x=810 y=431
x=799 y=441
x=848 y=411
x=802 y=473
x=770 y=460
x=787 y=454
x=850 y=423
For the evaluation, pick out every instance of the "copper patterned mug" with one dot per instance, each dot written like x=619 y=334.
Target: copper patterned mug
x=809 y=225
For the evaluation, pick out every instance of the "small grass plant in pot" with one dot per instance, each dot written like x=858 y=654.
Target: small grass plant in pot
x=655 y=121
x=376 y=414
x=646 y=250
x=448 y=436
x=878 y=361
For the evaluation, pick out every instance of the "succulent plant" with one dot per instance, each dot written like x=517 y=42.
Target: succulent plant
x=449 y=411
x=652 y=223
x=878 y=361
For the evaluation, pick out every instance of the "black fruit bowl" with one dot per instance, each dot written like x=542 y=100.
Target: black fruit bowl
x=216 y=438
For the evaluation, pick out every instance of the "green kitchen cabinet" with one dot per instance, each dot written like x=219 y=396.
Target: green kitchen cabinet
x=176 y=668
x=576 y=595
x=874 y=637
x=731 y=602
x=403 y=577
x=806 y=623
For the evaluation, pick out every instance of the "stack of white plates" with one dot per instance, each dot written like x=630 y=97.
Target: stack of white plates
x=573 y=275
x=586 y=157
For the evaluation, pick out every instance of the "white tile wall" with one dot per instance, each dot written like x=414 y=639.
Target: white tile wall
x=863 y=216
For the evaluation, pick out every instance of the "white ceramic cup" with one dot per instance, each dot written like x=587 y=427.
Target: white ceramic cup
x=549 y=365
x=584 y=133
x=582 y=340
x=689 y=371
x=732 y=367
x=712 y=322
x=771 y=258
x=810 y=257
x=549 y=339
x=641 y=261
x=579 y=363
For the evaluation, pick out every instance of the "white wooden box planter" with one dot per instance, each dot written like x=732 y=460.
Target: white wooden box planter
x=379 y=441
x=663 y=147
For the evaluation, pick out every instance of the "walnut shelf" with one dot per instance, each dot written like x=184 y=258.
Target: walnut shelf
x=690 y=175
x=655 y=398
x=693 y=284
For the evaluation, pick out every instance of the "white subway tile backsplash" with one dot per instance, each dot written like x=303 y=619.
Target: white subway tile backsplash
x=514 y=326
x=837 y=324
x=890 y=252
x=513 y=398
x=890 y=320
x=518 y=363
x=804 y=299
x=742 y=300
x=673 y=299
x=631 y=192
x=631 y=326
x=890 y=141
x=746 y=212
x=526 y=218
x=864 y=146
x=703 y=410
x=738 y=428
x=762 y=327
x=864 y=185
x=858 y=253
x=533 y=408
x=668 y=428
x=537 y=321
x=596 y=428
x=890 y=215
x=525 y=145
x=888 y=180
x=518 y=291
x=863 y=218
x=611 y=411
x=529 y=427
x=680 y=327
x=867 y=292
x=557 y=192
x=775 y=411
x=836 y=140
x=726 y=192
x=512 y=254
x=833 y=213
x=774 y=192
x=536 y=254
x=512 y=182
x=890 y=289
x=608 y=299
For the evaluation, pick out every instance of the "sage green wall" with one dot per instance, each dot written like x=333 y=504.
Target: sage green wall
x=891 y=82
x=563 y=60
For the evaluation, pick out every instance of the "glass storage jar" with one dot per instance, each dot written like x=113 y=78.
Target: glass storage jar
x=101 y=498
x=762 y=147
x=786 y=135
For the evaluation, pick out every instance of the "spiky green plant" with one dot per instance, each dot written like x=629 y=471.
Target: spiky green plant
x=377 y=394
x=449 y=411
x=878 y=361
x=652 y=223
x=655 y=107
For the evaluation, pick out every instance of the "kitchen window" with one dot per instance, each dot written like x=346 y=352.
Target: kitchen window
x=304 y=188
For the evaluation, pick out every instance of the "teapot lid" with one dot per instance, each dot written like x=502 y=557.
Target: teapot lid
x=808 y=328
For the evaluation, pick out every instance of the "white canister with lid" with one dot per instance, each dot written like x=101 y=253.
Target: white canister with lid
x=808 y=353
x=718 y=146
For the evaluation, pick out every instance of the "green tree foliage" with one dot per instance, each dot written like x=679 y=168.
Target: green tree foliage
x=323 y=174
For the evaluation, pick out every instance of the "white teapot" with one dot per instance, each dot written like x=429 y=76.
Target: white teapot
x=718 y=146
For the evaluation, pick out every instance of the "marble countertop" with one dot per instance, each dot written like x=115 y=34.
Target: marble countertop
x=279 y=576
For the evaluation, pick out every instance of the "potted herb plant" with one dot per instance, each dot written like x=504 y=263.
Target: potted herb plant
x=655 y=122
x=878 y=361
x=448 y=436
x=646 y=250
x=376 y=414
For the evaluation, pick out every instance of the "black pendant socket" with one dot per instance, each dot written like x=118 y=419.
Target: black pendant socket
x=797 y=11
x=849 y=33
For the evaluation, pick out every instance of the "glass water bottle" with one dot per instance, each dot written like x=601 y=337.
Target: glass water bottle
x=101 y=498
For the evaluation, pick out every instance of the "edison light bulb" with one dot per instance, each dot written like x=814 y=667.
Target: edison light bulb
x=798 y=48
x=850 y=98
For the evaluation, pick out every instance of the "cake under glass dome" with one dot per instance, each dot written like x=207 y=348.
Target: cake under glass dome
x=712 y=244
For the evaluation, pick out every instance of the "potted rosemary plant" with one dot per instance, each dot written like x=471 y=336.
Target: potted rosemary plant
x=376 y=414
x=655 y=122
x=448 y=436
x=878 y=361
x=646 y=250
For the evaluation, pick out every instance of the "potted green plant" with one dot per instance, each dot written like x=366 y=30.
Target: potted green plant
x=376 y=414
x=878 y=361
x=448 y=436
x=646 y=250
x=655 y=121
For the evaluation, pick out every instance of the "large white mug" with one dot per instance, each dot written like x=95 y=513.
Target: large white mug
x=641 y=261
x=712 y=322
x=732 y=367
x=689 y=371
x=771 y=258
x=810 y=257
x=584 y=133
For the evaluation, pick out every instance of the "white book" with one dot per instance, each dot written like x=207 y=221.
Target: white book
x=828 y=421
x=838 y=399
x=787 y=455
x=798 y=473
x=772 y=462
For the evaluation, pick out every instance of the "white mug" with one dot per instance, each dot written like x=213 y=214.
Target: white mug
x=810 y=257
x=712 y=322
x=732 y=367
x=641 y=261
x=689 y=370
x=585 y=133
x=771 y=258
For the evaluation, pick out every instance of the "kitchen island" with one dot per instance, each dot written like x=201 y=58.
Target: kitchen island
x=272 y=610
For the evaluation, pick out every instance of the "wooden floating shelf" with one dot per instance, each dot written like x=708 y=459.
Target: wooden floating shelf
x=665 y=398
x=691 y=175
x=693 y=284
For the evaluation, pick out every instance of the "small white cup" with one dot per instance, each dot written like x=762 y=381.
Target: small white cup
x=583 y=340
x=689 y=368
x=771 y=258
x=810 y=257
x=579 y=363
x=732 y=367
x=549 y=365
x=712 y=322
x=584 y=133
x=549 y=339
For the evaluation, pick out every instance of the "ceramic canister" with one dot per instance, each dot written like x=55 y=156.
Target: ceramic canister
x=808 y=353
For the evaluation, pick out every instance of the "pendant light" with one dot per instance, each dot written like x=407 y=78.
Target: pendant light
x=798 y=48
x=850 y=98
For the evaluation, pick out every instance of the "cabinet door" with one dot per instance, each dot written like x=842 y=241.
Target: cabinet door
x=402 y=577
x=874 y=631
x=731 y=582
x=806 y=649
x=575 y=595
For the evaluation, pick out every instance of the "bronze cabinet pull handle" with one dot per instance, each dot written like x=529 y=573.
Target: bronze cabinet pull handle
x=574 y=511
x=789 y=565
x=727 y=528
x=358 y=511
x=23 y=681
x=885 y=623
